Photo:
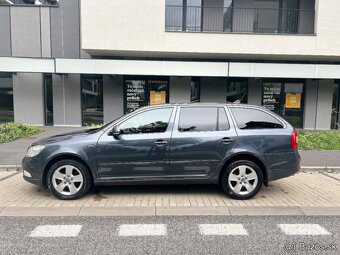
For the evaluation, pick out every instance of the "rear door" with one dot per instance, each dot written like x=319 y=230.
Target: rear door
x=201 y=138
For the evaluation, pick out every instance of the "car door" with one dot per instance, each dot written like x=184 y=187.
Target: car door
x=142 y=148
x=202 y=136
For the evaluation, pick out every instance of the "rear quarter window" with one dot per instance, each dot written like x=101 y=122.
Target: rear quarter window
x=247 y=118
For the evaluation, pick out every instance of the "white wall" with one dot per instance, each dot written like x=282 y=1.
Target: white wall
x=132 y=27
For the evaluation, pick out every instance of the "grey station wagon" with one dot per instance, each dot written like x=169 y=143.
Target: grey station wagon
x=240 y=147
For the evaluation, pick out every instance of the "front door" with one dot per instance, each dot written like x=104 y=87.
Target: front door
x=142 y=148
x=201 y=139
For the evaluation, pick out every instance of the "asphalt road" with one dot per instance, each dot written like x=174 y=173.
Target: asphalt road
x=170 y=235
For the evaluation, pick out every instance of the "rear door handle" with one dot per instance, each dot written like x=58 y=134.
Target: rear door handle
x=160 y=142
x=227 y=140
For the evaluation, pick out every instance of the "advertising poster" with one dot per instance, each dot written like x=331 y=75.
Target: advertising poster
x=157 y=97
x=271 y=96
x=293 y=100
x=135 y=94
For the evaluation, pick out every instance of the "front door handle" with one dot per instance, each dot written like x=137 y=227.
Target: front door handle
x=160 y=142
x=227 y=140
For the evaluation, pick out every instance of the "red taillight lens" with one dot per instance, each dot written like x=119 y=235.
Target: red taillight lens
x=294 y=140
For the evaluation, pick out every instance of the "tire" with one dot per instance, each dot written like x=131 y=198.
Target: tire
x=242 y=180
x=68 y=179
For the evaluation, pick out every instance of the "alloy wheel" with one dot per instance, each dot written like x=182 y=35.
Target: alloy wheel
x=67 y=180
x=243 y=180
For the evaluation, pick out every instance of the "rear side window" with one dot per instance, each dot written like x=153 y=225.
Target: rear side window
x=198 y=119
x=254 y=119
x=223 y=123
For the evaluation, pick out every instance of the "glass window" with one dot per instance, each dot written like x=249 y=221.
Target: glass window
x=92 y=99
x=157 y=91
x=6 y=98
x=223 y=123
x=198 y=119
x=153 y=121
x=247 y=118
x=195 y=89
x=335 y=107
x=143 y=91
x=271 y=98
x=48 y=99
x=237 y=91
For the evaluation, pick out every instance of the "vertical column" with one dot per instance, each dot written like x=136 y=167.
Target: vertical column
x=67 y=100
x=310 y=107
x=28 y=98
x=255 y=91
x=324 y=104
x=180 y=89
x=113 y=97
x=213 y=89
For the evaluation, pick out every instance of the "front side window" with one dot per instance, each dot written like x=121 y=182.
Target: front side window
x=193 y=119
x=153 y=121
x=254 y=119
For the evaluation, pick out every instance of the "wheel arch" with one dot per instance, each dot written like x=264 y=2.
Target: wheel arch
x=250 y=157
x=64 y=157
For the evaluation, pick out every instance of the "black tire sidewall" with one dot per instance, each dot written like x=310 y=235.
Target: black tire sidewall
x=86 y=177
x=225 y=180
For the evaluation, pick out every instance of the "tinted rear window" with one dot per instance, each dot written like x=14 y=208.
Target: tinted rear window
x=198 y=119
x=223 y=123
x=254 y=119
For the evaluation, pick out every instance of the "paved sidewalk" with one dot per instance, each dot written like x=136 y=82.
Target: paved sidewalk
x=12 y=153
x=306 y=193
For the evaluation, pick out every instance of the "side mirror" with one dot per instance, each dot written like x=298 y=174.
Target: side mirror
x=115 y=131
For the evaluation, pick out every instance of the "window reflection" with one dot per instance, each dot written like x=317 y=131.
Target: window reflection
x=92 y=99
x=6 y=98
x=153 y=121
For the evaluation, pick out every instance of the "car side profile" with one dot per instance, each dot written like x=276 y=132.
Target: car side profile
x=240 y=147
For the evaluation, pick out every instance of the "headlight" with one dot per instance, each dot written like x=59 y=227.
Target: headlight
x=34 y=150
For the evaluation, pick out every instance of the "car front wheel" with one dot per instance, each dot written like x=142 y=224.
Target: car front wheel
x=68 y=179
x=242 y=179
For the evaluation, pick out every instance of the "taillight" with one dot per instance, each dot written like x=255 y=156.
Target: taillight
x=294 y=140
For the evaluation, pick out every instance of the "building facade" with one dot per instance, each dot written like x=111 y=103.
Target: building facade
x=79 y=62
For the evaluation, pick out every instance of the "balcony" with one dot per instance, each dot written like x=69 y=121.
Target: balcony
x=239 y=20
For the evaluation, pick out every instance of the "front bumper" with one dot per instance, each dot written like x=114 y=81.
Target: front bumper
x=35 y=168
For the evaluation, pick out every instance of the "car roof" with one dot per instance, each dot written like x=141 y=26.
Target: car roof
x=198 y=104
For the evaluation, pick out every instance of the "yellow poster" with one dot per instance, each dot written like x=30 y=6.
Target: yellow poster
x=157 y=97
x=293 y=100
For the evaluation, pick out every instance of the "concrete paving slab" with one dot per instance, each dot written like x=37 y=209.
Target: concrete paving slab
x=40 y=211
x=268 y=210
x=117 y=211
x=199 y=210
x=326 y=211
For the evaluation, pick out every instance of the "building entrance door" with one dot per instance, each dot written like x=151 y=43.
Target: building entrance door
x=285 y=98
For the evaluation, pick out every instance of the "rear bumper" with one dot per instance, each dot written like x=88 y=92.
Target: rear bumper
x=282 y=165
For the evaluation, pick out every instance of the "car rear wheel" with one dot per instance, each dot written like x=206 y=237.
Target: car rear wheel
x=68 y=179
x=242 y=179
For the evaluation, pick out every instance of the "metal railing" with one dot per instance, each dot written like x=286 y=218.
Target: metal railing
x=239 y=20
x=29 y=2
